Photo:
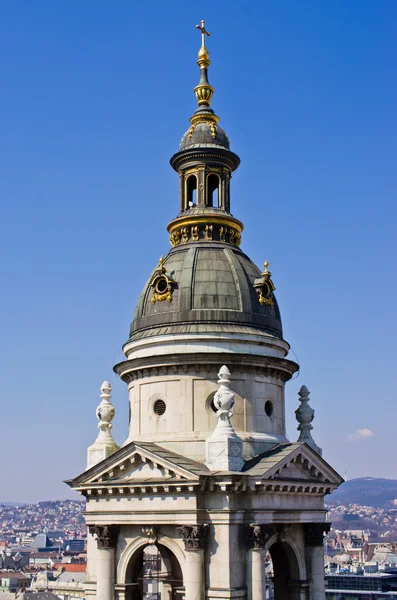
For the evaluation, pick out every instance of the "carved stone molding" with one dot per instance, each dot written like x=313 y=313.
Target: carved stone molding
x=130 y=373
x=314 y=533
x=106 y=535
x=283 y=532
x=260 y=533
x=241 y=485
x=150 y=533
x=206 y=230
x=194 y=536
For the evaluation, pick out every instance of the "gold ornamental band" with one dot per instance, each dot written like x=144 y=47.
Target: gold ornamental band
x=208 y=220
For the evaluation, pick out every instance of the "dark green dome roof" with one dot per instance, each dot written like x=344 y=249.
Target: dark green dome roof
x=213 y=285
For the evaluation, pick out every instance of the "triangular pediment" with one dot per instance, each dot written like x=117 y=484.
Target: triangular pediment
x=140 y=463
x=293 y=462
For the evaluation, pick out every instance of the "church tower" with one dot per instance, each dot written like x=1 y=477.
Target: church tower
x=207 y=480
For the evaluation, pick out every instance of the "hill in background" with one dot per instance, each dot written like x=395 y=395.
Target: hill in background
x=366 y=491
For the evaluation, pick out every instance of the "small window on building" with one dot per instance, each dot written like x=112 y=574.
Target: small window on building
x=159 y=407
x=269 y=408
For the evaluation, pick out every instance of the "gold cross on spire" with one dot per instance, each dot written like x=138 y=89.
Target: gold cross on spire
x=204 y=32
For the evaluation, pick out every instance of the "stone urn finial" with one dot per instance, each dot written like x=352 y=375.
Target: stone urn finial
x=104 y=445
x=224 y=398
x=105 y=411
x=224 y=448
x=304 y=416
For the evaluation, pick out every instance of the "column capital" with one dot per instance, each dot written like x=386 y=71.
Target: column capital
x=106 y=535
x=194 y=536
x=314 y=533
x=260 y=533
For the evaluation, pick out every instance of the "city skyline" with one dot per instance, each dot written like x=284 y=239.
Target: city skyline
x=93 y=100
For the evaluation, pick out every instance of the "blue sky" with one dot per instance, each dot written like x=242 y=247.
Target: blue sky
x=94 y=99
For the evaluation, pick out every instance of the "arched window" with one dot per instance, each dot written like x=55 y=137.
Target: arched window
x=191 y=191
x=213 y=191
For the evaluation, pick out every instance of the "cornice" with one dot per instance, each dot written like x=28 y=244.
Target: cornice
x=198 y=364
x=214 y=154
x=235 y=484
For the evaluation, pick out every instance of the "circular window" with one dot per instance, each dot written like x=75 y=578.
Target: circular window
x=161 y=285
x=159 y=407
x=265 y=289
x=269 y=408
x=210 y=404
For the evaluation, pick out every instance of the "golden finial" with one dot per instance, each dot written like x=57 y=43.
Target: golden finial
x=161 y=268
x=204 y=32
x=266 y=265
x=203 y=90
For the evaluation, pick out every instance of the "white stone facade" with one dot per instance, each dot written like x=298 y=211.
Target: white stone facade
x=144 y=494
x=189 y=419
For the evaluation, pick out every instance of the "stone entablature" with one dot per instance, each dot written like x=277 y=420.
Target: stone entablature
x=131 y=370
x=124 y=475
x=242 y=486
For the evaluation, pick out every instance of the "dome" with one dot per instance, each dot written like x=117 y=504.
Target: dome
x=205 y=134
x=343 y=558
x=202 y=286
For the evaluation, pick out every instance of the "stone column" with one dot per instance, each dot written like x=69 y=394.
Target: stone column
x=258 y=535
x=194 y=537
x=106 y=536
x=314 y=552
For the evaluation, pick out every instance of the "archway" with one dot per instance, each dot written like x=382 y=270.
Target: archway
x=283 y=573
x=213 y=190
x=153 y=573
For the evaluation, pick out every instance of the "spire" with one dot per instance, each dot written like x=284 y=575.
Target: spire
x=205 y=165
x=224 y=449
x=204 y=91
x=304 y=416
x=104 y=445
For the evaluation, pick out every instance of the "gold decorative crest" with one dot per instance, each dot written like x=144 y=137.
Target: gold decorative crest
x=265 y=287
x=161 y=284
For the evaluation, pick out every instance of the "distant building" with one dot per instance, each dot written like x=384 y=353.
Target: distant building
x=74 y=545
x=360 y=587
x=43 y=559
x=38 y=596
x=14 y=582
x=67 y=583
x=42 y=543
x=14 y=558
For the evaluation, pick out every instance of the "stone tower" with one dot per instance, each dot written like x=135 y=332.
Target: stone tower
x=206 y=477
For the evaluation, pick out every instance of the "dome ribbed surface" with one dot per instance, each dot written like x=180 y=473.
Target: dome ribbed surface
x=213 y=286
x=205 y=134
